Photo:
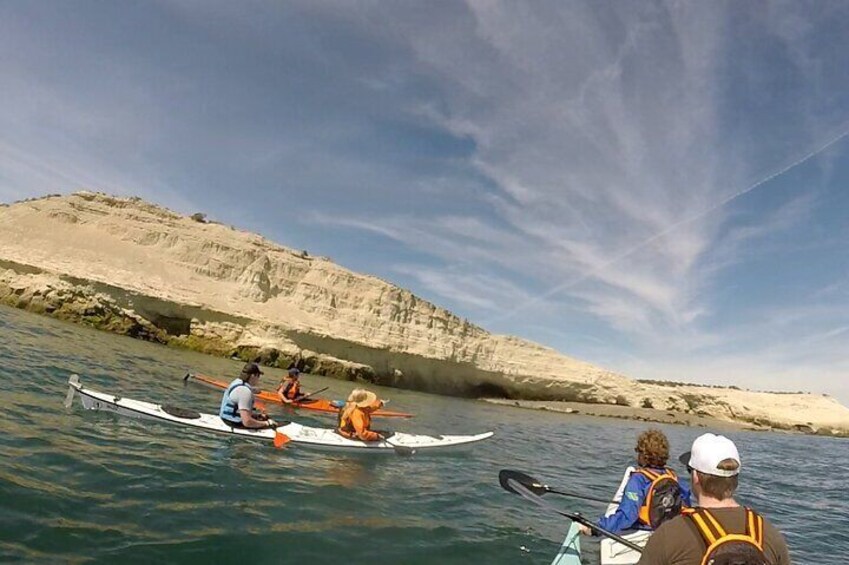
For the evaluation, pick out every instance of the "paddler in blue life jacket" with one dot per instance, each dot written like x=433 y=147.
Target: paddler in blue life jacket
x=237 y=404
x=653 y=493
x=289 y=389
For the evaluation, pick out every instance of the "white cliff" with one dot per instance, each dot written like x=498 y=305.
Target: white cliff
x=136 y=268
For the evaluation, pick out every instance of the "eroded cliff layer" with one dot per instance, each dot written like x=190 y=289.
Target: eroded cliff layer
x=132 y=267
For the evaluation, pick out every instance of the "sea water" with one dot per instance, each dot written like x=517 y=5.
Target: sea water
x=89 y=487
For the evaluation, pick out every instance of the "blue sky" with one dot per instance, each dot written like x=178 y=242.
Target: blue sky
x=658 y=188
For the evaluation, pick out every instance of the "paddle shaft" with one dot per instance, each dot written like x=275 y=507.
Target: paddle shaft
x=581 y=520
x=538 y=488
x=581 y=496
x=304 y=397
x=520 y=489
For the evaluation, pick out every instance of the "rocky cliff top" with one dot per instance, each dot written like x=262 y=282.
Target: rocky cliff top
x=130 y=244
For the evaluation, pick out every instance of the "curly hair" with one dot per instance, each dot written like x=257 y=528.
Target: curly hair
x=652 y=449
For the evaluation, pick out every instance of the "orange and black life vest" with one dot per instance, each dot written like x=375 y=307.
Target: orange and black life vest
x=291 y=389
x=663 y=498
x=723 y=548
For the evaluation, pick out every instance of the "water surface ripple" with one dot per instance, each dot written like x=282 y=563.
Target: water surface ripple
x=79 y=487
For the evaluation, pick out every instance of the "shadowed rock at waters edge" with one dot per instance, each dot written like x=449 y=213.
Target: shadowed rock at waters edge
x=134 y=268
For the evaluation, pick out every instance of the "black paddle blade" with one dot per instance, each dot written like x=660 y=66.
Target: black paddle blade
x=527 y=481
x=402 y=450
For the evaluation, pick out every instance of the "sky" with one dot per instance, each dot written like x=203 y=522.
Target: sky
x=659 y=188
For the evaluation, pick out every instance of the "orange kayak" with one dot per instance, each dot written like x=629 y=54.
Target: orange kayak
x=317 y=404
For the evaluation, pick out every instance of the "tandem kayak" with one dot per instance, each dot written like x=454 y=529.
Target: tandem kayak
x=613 y=552
x=317 y=404
x=192 y=421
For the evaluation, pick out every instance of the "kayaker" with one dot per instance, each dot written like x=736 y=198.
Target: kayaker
x=719 y=526
x=355 y=416
x=653 y=493
x=289 y=389
x=237 y=404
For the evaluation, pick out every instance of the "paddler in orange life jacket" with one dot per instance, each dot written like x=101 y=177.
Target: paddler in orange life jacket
x=653 y=493
x=355 y=416
x=289 y=389
x=719 y=530
x=237 y=404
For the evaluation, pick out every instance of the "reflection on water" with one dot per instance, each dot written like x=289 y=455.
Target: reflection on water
x=349 y=472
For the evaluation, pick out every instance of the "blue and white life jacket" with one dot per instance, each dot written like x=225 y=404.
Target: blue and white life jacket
x=229 y=411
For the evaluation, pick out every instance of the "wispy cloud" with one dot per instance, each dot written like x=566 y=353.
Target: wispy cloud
x=469 y=290
x=603 y=160
x=622 y=171
x=663 y=176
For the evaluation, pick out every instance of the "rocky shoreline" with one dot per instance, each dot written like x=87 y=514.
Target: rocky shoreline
x=94 y=306
x=659 y=416
x=132 y=268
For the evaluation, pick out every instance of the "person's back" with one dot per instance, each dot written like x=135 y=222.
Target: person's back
x=653 y=493
x=679 y=541
x=718 y=531
x=665 y=496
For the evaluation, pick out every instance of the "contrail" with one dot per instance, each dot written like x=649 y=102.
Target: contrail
x=630 y=251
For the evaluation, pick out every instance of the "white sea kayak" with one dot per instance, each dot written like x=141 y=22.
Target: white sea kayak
x=302 y=435
x=613 y=552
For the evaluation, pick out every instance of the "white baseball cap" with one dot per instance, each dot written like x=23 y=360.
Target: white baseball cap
x=708 y=452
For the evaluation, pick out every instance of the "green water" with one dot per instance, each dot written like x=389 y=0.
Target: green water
x=80 y=487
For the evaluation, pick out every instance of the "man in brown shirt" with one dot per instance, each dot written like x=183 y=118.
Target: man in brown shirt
x=714 y=464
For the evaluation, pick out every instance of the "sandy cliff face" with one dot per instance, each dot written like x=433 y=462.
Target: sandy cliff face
x=136 y=268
